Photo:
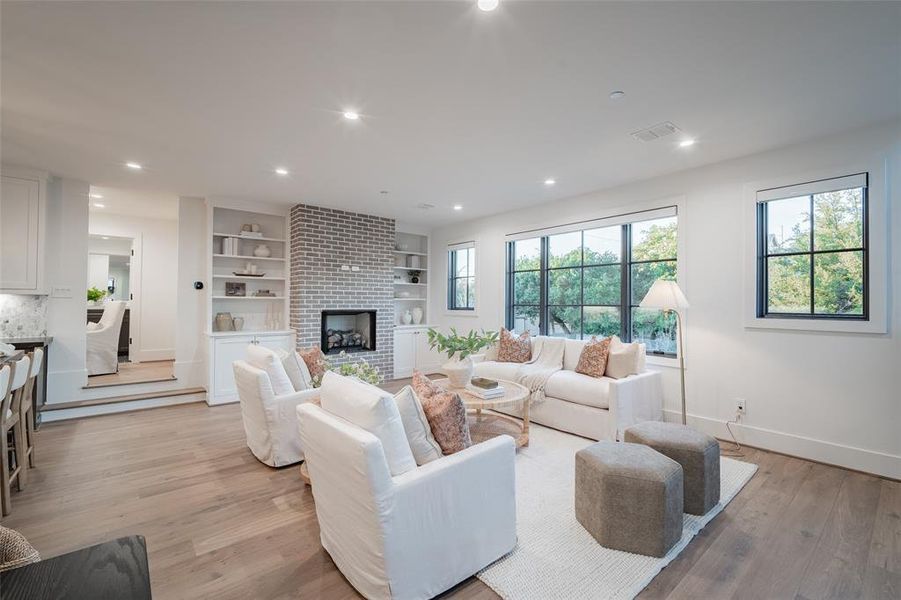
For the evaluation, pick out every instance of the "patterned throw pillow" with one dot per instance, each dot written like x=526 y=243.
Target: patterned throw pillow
x=514 y=349
x=315 y=362
x=593 y=360
x=446 y=414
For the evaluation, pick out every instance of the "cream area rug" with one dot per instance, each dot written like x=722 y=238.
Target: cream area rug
x=555 y=558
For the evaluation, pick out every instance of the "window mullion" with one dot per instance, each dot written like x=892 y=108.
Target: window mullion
x=625 y=308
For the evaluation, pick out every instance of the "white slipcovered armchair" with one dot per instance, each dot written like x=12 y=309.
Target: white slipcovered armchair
x=103 y=340
x=413 y=535
x=270 y=421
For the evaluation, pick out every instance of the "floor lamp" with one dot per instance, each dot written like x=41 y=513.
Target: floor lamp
x=668 y=297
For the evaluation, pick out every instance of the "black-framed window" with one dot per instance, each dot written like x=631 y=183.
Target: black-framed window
x=812 y=250
x=461 y=278
x=589 y=282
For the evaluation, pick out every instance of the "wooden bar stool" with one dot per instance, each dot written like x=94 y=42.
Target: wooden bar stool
x=26 y=409
x=12 y=468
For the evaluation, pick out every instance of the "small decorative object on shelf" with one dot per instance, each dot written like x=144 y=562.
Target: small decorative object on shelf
x=262 y=250
x=223 y=322
x=235 y=288
x=407 y=318
x=238 y=323
x=247 y=274
x=414 y=276
x=231 y=246
x=458 y=349
x=264 y=294
x=417 y=315
x=413 y=261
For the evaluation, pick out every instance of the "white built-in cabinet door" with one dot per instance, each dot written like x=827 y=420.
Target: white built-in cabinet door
x=228 y=349
x=411 y=351
x=19 y=227
x=427 y=360
x=404 y=352
x=225 y=352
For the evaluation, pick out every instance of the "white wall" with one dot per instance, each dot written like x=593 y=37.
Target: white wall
x=98 y=271
x=191 y=318
x=825 y=396
x=154 y=330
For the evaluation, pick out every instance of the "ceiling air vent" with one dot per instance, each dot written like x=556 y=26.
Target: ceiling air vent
x=425 y=206
x=655 y=132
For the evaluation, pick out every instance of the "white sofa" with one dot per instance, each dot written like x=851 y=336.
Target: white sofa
x=270 y=421
x=597 y=408
x=416 y=534
x=103 y=340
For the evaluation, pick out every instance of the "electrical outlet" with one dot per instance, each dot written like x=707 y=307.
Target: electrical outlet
x=741 y=408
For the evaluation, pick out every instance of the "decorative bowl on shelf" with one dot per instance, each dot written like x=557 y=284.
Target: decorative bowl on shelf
x=247 y=274
x=403 y=294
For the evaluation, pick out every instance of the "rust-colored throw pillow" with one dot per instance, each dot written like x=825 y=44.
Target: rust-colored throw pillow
x=424 y=387
x=593 y=359
x=445 y=413
x=514 y=349
x=315 y=362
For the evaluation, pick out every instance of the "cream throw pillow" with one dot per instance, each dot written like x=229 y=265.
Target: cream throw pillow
x=372 y=409
x=623 y=359
x=296 y=369
x=419 y=434
x=267 y=360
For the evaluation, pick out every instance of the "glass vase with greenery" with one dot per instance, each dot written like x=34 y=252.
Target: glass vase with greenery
x=95 y=294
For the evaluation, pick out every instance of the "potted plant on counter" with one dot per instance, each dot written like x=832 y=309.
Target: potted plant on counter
x=459 y=348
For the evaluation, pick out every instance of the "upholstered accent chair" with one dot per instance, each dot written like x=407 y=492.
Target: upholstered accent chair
x=103 y=340
x=270 y=420
x=412 y=535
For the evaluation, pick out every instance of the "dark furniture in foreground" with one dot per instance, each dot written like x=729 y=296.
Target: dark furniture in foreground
x=115 y=570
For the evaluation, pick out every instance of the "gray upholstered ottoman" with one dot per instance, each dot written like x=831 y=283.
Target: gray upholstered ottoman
x=629 y=497
x=698 y=453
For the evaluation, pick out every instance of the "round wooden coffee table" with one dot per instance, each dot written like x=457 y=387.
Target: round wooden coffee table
x=483 y=426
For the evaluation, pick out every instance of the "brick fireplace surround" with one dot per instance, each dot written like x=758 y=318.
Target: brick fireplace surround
x=322 y=241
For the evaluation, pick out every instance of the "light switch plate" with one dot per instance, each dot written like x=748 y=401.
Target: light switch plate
x=61 y=292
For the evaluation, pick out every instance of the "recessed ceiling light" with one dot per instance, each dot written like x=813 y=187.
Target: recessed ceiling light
x=686 y=143
x=351 y=115
x=134 y=165
x=281 y=171
x=458 y=207
x=383 y=192
x=550 y=181
x=99 y=205
x=617 y=94
x=103 y=237
x=96 y=196
x=488 y=5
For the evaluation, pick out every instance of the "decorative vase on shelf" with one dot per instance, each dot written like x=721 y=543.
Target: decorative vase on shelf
x=417 y=315
x=224 y=322
x=262 y=251
x=238 y=323
x=459 y=372
x=408 y=318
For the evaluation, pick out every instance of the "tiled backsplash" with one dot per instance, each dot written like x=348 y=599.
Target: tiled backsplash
x=23 y=316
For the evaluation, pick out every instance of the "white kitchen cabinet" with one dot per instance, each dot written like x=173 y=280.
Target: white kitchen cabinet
x=411 y=351
x=22 y=216
x=226 y=348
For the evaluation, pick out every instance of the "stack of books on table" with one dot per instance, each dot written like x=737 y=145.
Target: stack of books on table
x=485 y=389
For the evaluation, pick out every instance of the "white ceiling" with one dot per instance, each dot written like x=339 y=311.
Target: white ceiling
x=146 y=204
x=459 y=106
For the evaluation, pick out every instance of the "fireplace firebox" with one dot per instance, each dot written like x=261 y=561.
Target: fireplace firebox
x=348 y=330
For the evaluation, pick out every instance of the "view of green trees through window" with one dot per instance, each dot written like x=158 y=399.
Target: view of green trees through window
x=593 y=283
x=815 y=255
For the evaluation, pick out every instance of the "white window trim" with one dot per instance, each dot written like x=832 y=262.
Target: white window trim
x=459 y=312
x=878 y=228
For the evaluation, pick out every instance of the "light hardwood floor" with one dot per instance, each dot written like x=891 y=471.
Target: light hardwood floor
x=221 y=525
x=145 y=372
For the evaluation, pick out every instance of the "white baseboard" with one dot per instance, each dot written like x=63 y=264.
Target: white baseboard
x=156 y=354
x=118 y=407
x=859 y=459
